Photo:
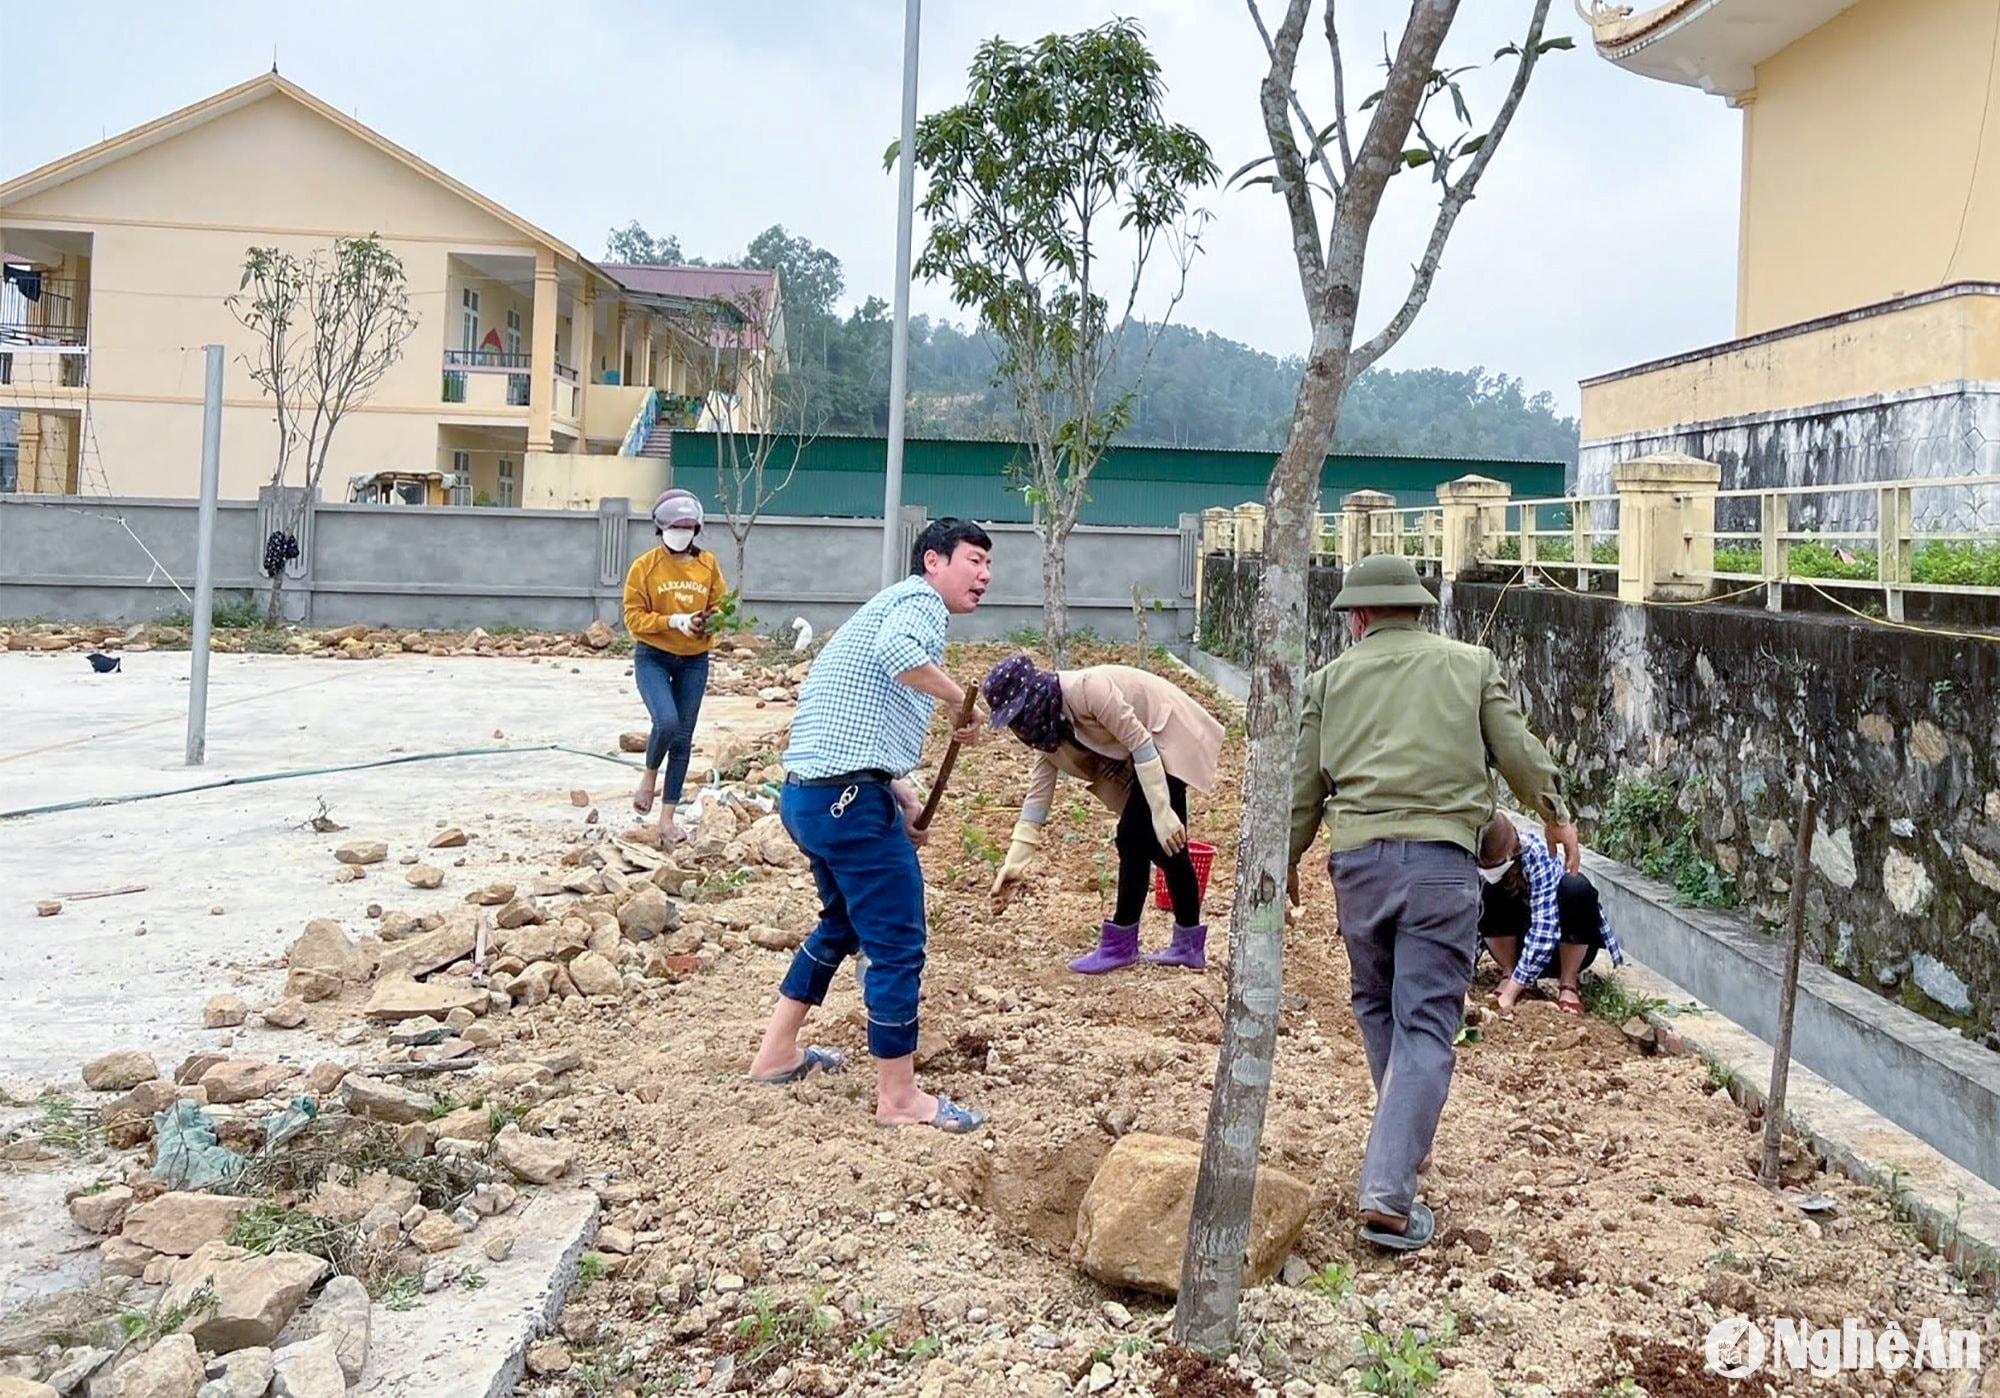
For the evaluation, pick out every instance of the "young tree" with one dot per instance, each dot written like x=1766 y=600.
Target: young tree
x=765 y=414
x=1058 y=158
x=1311 y=163
x=327 y=325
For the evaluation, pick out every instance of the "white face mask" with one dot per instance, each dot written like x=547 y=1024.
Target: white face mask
x=1497 y=873
x=677 y=540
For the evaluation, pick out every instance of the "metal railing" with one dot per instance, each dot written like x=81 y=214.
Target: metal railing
x=642 y=426
x=1416 y=533
x=1891 y=554
x=47 y=312
x=486 y=360
x=1574 y=532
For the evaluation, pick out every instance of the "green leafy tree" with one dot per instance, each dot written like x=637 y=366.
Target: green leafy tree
x=1332 y=187
x=633 y=243
x=1059 y=156
x=326 y=326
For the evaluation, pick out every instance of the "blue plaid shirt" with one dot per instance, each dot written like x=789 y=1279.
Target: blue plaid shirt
x=1544 y=872
x=853 y=716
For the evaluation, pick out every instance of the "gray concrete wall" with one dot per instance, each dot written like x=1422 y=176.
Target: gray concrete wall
x=86 y=560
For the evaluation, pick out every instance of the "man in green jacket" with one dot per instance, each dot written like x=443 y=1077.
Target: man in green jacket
x=1395 y=744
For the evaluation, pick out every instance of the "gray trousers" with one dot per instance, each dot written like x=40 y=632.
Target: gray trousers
x=1409 y=914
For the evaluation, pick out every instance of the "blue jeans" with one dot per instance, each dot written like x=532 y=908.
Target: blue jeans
x=672 y=686
x=871 y=891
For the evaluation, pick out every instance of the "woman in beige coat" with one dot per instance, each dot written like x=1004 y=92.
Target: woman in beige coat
x=1116 y=728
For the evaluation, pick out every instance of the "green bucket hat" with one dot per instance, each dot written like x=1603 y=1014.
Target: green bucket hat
x=1383 y=580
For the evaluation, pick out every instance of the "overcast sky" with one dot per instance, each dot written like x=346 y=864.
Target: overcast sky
x=1604 y=232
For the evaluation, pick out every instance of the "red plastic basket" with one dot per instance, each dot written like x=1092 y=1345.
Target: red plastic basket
x=1204 y=860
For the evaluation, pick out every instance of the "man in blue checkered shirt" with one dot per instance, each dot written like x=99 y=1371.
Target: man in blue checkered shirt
x=848 y=804
x=1534 y=911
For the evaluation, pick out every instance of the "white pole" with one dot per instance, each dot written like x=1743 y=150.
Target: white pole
x=894 y=565
x=204 y=560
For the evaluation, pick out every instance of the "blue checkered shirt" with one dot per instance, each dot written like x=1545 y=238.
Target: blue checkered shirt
x=1544 y=872
x=853 y=716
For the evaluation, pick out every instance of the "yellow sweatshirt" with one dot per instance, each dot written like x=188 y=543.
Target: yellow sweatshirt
x=660 y=584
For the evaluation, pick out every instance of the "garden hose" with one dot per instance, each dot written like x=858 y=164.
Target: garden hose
x=91 y=802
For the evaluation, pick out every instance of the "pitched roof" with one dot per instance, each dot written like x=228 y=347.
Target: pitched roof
x=745 y=288
x=264 y=85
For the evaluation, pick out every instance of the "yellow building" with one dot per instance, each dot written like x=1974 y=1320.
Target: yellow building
x=527 y=357
x=1868 y=267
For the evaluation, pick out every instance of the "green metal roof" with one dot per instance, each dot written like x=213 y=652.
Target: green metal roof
x=843 y=477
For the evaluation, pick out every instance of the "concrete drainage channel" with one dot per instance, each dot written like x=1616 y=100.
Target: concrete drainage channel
x=483 y=1351
x=1885 y=1096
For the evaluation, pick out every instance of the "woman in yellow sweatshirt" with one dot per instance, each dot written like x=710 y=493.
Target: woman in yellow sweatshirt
x=671 y=592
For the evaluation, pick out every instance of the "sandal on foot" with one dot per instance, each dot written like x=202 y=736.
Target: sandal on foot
x=830 y=1060
x=1569 y=1000
x=950 y=1117
x=1422 y=1226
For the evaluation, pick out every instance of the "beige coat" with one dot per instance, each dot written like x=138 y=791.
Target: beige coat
x=1115 y=710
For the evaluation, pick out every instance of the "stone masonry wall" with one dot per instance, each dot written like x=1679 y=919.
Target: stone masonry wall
x=1898 y=732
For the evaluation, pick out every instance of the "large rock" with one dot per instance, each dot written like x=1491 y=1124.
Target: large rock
x=598 y=636
x=170 y=1369
x=646 y=914
x=178 y=1224
x=224 y=1011
x=1131 y=1228
x=243 y=1374
x=433 y=951
x=311 y=984
x=120 y=1072
x=521 y=911
x=381 y=1101
x=309 y=1369
x=596 y=976
x=244 y=1080
x=350 y=1203
x=342 y=1313
x=533 y=1158
x=103 y=1211
x=767 y=840
x=128 y=1120
x=437 y=1233
x=399 y=999
x=362 y=852
x=119 y=1258
x=26 y=1388
x=325 y=946
x=465 y=1124
x=254 y=1297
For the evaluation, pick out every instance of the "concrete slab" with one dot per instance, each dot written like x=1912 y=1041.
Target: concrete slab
x=1956 y=1210
x=481 y=1350
x=134 y=970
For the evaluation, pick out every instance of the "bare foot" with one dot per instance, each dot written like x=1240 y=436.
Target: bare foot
x=671 y=833
x=642 y=799
x=770 y=1063
x=915 y=1110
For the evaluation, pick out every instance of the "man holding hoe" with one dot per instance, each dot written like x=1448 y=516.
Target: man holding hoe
x=848 y=805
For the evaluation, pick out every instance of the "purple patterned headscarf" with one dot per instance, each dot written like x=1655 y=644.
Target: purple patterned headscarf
x=1027 y=700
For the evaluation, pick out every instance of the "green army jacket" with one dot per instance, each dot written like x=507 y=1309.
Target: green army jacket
x=1398 y=739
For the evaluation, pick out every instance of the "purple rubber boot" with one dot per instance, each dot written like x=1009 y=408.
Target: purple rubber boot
x=1116 y=946
x=1188 y=948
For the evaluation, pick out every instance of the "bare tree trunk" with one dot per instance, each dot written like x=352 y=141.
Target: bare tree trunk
x=274 y=614
x=1788 y=992
x=1219 y=1235
x=742 y=547
x=1055 y=595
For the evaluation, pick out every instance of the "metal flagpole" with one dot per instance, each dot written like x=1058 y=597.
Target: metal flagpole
x=894 y=565
x=204 y=560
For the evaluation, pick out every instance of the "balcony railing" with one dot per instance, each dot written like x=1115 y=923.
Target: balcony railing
x=46 y=312
x=488 y=360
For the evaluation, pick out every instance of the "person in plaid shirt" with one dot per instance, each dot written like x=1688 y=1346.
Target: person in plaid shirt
x=848 y=804
x=1535 y=910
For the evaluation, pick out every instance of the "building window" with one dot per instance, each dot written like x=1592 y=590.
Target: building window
x=513 y=333
x=461 y=478
x=469 y=320
x=506 y=483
